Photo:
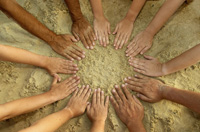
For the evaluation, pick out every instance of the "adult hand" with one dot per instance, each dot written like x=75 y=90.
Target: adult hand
x=140 y=44
x=150 y=90
x=102 y=30
x=64 y=46
x=61 y=90
x=82 y=30
x=128 y=108
x=123 y=30
x=78 y=102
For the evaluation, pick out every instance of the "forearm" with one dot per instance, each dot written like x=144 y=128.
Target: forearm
x=25 y=105
x=26 y=20
x=51 y=122
x=184 y=60
x=187 y=98
x=97 y=127
x=135 y=9
x=136 y=127
x=164 y=13
x=97 y=8
x=12 y=54
x=74 y=9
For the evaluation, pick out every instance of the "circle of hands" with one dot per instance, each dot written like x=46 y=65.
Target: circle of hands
x=127 y=106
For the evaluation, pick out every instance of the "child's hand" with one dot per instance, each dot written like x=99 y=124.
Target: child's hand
x=123 y=30
x=61 y=90
x=148 y=89
x=63 y=45
x=83 y=31
x=98 y=110
x=140 y=44
x=78 y=102
x=149 y=66
x=102 y=30
x=128 y=108
x=58 y=65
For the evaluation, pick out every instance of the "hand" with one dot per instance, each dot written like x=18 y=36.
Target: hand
x=102 y=30
x=140 y=44
x=61 y=90
x=98 y=110
x=78 y=102
x=58 y=65
x=149 y=66
x=64 y=46
x=83 y=31
x=128 y=108
x=148 y=89
x=123 y=30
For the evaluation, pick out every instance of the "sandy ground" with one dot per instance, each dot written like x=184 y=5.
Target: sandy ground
x=103 y=67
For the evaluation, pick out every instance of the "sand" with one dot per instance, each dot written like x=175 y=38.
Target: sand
x=103 y=67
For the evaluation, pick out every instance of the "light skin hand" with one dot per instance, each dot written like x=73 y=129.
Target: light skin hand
x=140 y=44
x=123 y=30
x=149 y=66
x=147 y=89
x=128 y=108
x=97 y=111
x=83 y=31
x=102 y=30
x=78 y=102
x=63 y=45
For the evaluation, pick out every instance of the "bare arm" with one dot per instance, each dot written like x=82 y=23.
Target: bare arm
x=57 y=92
x=75 y=107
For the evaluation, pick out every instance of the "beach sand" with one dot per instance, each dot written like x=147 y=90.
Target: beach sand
x=103 y=67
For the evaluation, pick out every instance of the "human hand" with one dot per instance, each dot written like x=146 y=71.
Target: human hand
x=58 y=65
x=82 y=30
x=149 y=66
x=102 y=30
x=140 y=44
x=150 y=90
x=123 y=30
x=78 y=102
x=61 y=90
x=128 y=108
x=98 y=110
x=64 y=46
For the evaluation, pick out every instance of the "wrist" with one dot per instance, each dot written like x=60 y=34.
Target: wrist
x=136 y=126
x=99 y=17
x=165 y=91
x=69 y=112
x=131 y=16
x=164 y=69
x=98 y=125
x=151 y=31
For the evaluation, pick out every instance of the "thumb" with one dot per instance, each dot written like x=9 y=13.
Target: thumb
x=88 y=107
x=116 y=29
x=55 y=80
x=58 y=79
x=148 y=57
x=73 y=38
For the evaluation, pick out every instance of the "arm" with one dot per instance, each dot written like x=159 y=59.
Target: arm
x=81 y=28
x=75 y=107
x=97 y=111
x=128 y=108
x=152 y=90
x=62 y=44
x=57 y=92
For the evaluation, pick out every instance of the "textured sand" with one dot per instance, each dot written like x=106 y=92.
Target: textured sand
x=103 y=67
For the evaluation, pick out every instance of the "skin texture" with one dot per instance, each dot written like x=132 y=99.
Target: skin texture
x=101 y=24
x=152 y=67
x=97 y=111
x=152 y=90
x=124 y=28
x=57 y=92
x=62 y=44
x=81 y=28
x=143 y=41
x=128 y=108
x=51 y=64
x=75 y=107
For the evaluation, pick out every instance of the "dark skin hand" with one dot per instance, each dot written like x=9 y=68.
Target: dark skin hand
x=128 y=108
x=81 y=28
x=65 y=47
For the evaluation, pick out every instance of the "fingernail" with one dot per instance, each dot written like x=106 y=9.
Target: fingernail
x=92 y=47
x=99 y=89
x=95 y=90
x=125 y=79
x=123 y=85
x=116 y=86
x=114 y=90
x=83 y=56
x=79 y=58
x=102 y=91
x=135 y=75
x=129 y=77
x=87 y=47
x=93 y=43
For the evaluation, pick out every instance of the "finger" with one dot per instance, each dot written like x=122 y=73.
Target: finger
x=96 y=34
x=134 y=49
x=107 y=102
x=134 y=88
x=88 y=107
x=144 y=98
x=68 y=57
x=72 y=81
x=55 y=80
x=94 y=99
x=79 y=50
x=98 y=96
x=107 y=39
x=85 y=91
x=68 y=80
x=122 y=42
x=116 y=29
x=149 y=57
x=140 y=71
x=100 y=38
x=134 y=83
x=74 y=55
x=127 y=93
x=114 y=103
x=102 y=98
x=132 y=80
x=87 y=94
x=136 y=52
x=140 y=76
x=74 y=85
x=136 y=100
x=144 y=50
x=104 y=39
x=89 y=42
x=75 y=35
x=81 y=90
x=109 y=32
x=118 y=99
x=92 y=39
x=75 y=93
x=83 y=40
x=118 y=40
x=120 y=93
